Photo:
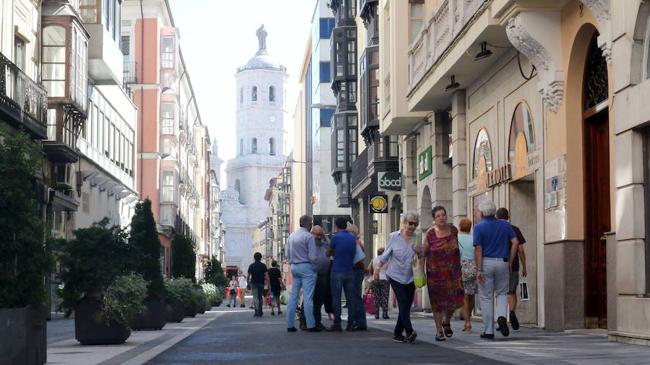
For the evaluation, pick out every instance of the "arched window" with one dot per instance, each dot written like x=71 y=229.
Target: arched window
x=241 y=146
x=238 y=189
x=241 y=96
x=254 y=94
x=271 y=146
x=54 y=54
x=254 y=146
x=271 y=94
x=482 y=154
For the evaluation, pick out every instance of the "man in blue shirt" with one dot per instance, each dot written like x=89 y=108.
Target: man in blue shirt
x=343 y=247
x=495 y=246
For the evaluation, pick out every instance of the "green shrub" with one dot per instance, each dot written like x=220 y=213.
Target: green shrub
x=197 y=297
x=179 y=291
x=143 y=237
x=183 y=257
x=213 y=273
x=124 y=298
x=210 y=292
x=24 y=260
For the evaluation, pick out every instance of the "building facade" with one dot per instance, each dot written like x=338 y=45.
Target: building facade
x=260 y=140
x=537 y=106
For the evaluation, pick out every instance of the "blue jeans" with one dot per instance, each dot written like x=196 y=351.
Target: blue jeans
x=345 y=281
x=304 y=277
x=360 y=310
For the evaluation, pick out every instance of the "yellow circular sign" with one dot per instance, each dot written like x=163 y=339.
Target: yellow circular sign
x=378 y=203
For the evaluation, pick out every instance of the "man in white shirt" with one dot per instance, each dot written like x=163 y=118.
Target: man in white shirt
x=241 y=279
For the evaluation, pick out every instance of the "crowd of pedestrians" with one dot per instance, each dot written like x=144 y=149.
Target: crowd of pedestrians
x=456 y=264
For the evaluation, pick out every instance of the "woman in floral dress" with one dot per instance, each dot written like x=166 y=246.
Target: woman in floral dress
x=443 y=271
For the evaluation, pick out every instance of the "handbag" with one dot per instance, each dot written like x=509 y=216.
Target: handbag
x=369 y=302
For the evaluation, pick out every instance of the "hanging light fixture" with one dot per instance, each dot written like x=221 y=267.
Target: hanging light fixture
x=483 y=53
x=452 y=84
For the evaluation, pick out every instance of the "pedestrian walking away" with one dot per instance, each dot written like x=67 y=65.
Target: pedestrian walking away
x=322 y=271
x=495 y=246
x=301 y=253
x=502 y=213
x=468 y=270
x=276 y=284
x=443 y=274
x=399 y=254
x=359 y=322
x=342 y=248
x=258 y=277
x=380 y=286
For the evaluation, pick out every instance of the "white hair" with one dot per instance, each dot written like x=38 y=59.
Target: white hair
x=487 y=208
x=410 y=215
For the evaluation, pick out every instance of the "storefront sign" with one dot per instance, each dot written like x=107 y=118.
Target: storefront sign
x=499 y=175
x=389 y=181
x=425 y=167
x=378 y=203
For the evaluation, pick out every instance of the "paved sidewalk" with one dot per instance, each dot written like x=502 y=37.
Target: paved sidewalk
x=140 y=347
x=528 y=345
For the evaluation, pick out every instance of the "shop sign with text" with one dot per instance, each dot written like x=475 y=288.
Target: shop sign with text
x=389 y=181
x=425 y=167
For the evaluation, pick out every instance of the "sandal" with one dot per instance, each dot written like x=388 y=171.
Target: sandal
x=440 y=336
x=467 y=328
x=447 y=328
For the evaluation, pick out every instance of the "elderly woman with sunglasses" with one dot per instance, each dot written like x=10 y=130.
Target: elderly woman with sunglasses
x=398 y=255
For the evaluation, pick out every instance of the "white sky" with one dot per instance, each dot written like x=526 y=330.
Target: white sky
x=217 y=36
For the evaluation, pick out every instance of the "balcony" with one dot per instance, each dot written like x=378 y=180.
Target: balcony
x=129 y=75
x=61 y=196
x=23 y=102
x=438 y=34
x=62 y=135
x=105 y=59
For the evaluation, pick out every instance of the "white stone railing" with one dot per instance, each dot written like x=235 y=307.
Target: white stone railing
x=437 y=34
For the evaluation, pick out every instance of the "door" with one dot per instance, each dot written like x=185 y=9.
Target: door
x=597 y=217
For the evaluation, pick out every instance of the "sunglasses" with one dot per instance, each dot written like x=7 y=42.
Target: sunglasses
x=414 y=224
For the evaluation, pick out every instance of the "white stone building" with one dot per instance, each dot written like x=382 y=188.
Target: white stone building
x=260 y=131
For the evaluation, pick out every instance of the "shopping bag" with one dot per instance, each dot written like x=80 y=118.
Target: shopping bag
x=369 y=302
x=418 y=275
x=283 y=298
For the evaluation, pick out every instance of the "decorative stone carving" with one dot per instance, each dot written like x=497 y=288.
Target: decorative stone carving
x=600 y=10
x=550 y=84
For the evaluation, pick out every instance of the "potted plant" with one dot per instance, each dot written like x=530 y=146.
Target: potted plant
x=211 y=296
x=24 y=259
x=199 y=300
x=144 y=240
x=214 y=275
x=93 y=264
x=183 y=257
x=177 y=295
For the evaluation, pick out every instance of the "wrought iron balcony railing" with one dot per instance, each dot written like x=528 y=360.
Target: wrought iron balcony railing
x=22 y=101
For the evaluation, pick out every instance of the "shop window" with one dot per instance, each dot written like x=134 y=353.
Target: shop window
x=482 y=154
x=54 y=60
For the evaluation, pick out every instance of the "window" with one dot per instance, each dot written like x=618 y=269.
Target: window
x=241 y=96
x=125 y=45
x=167 y=114
x=88 y=11
x=254 y=146
x=78 y=67
x=20 y=53
x=326 y=117
x=54 y=52
x=272 y=94
x=325 y=26
x=271 y=146
x=166 y=146
x=105 y=13
x=482 y=154
x=168 y=52
x=168 y=186
x=254 y=94
x=238 y=189
x=325 y=72
x=416 y=19
x=117 y=20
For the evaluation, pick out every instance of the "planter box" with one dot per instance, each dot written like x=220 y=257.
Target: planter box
x=23 y=336
x=90 y=329
x=153 y=317
x=190 y=310
x=200 y=308
x=175 y=312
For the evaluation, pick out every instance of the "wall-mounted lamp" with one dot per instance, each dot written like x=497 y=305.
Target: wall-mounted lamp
x=483 y=53
x=452 y=84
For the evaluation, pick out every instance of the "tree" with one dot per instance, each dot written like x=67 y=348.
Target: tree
x=183 y=257
x=144 y=240
x=24 y=260
x=214 y=273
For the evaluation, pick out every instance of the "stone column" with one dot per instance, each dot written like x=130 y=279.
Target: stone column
x=459 y=160
x=441 y=192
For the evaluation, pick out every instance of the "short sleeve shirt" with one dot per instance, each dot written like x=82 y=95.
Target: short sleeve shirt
x=522 y=240
x=344 y=245
x=494 y=236
x=257 y=271
x=274 y=277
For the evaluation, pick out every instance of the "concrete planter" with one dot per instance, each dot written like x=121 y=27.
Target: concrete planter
x=90 y=329
x=175 y=312
x=23 y=337
x=153 y=317
x=190 y=310
x=200 y=308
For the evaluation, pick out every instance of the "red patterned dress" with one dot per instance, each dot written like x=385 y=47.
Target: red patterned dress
x=443 y=272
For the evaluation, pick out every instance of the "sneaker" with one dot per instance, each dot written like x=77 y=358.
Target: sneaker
x=228 y=305
x=385 y=316
x=503 y=326
x=399 y=338
x=320 y=325
x=242 y=306
x=336 y=327
x=487 y=336
x=360 y=328
x=314 y=329
x=411 y=337
x=292 y=329
x=514 y=322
